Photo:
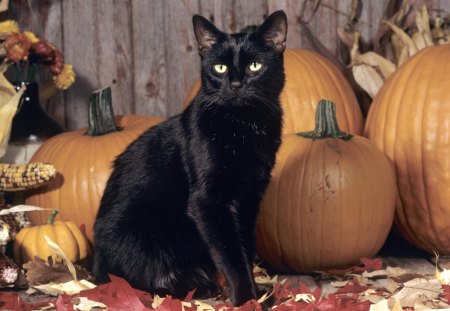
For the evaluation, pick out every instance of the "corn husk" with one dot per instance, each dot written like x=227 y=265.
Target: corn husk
x=370 y=70
x=9 y=102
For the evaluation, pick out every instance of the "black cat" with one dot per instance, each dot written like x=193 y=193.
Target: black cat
x=182 y=201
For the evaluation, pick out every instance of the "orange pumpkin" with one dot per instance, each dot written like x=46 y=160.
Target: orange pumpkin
x=330 y=202
x=84 y=164
x=31 y=242
x=409 y=120
x=310 y=77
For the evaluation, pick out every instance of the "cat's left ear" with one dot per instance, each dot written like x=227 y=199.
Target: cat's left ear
x=205 y=33
x=274 y=31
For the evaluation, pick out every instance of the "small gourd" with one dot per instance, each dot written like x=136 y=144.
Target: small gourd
x=30 y=241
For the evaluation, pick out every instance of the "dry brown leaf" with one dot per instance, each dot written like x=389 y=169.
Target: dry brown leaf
x=372 y=296
x=408 y=276
x=375 y=274
x=339 y=284
x=395 y=271
x=418 y=290
x=412 y=49
x=69 y=288
x=40 y=271
x=84 y=304
x=392 y=286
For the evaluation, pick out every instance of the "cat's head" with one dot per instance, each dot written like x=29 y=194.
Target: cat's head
x=243 y=67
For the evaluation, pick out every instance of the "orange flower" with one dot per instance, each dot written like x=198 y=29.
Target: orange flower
x=17 y=47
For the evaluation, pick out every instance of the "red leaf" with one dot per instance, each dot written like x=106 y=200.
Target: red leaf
x=445 y=296
x=61 y=304
x=372 y=264
x=368 y=264
x=250 y=305
x=189 y=296
x=117 y=295
x=352 y=288
x=9 y=301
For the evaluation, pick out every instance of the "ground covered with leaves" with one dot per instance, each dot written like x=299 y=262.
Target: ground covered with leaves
x=371 y=285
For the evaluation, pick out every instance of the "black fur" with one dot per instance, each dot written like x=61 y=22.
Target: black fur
x=182 y=201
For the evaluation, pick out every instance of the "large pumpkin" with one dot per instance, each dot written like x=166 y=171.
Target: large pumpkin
x=309 y=78
x=409 y=120
x=330 y=202
x=84 y=162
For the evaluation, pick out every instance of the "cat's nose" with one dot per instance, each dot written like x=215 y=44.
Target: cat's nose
x=236 y=84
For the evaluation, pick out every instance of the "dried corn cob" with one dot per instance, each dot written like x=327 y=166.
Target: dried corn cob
x=19 y=177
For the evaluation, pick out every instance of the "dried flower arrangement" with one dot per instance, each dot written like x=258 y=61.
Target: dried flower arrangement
x=28 y=52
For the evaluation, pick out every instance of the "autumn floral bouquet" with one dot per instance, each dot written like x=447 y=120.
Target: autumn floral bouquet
x=29 y=53
x=26 y=53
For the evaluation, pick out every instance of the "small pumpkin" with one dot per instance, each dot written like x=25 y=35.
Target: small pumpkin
x=310 y=77
x=30 y=241
x=83 y=159
x=330 y=202
x=409 y=120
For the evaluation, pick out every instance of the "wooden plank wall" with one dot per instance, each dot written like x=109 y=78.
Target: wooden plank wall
x=146 y=50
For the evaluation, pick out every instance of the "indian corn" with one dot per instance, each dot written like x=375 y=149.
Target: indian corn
x=19 y=177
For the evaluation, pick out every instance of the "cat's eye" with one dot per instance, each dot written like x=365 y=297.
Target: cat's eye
x=220 y=68
x=255 y=66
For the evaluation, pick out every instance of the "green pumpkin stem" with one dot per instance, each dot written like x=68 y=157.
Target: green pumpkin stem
x=326 y=123
x=101 y=115
x=51 y=219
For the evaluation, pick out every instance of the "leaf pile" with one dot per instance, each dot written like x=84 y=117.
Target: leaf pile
x=368 y=286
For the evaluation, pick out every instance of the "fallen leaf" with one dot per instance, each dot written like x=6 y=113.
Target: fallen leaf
x=418 y=290
x=84 y=304
x=40 y=271
x=69 y=288
x=375 y=273
x=382 y=305
x=55 y=247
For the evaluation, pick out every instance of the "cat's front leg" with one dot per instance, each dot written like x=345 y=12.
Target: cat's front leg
x=219 y=228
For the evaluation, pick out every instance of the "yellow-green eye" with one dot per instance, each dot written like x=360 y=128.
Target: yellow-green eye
x=255 y=66
x=220 y=68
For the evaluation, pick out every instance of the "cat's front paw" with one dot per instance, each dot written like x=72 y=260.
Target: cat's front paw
x=242 y=293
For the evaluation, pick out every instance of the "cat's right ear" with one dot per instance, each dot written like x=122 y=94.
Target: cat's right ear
x=205 y=33
x=274 y=31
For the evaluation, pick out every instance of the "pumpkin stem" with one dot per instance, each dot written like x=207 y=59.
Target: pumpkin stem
x=326 y=123
x=101 y=115
x=51 y=219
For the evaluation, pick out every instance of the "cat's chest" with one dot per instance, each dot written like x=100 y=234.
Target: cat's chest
x=232 y=138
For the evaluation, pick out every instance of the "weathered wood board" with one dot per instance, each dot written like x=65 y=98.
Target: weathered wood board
x=146 y=50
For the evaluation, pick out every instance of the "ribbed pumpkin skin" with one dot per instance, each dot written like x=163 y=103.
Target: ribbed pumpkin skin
x=329 y=203
x=409 y=120
x=84 y=164
x=309 y=78
x=30 y=242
